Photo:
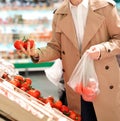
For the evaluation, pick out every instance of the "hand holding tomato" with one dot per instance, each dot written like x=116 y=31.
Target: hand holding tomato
x=25 y=46
x=25 y=43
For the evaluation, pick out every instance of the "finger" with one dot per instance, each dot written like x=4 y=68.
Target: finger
x=19 y=52
x=34 y=45
x=28 y=49
x=93 y=48
x=23 y=49
x=31 y=51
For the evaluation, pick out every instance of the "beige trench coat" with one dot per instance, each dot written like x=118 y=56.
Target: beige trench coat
x=102 y=28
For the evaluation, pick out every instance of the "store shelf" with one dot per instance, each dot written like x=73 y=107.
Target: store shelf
x=33 y=65
x=28 y=66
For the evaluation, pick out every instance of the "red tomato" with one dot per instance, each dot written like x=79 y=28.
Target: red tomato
x=79 y=88
x=41 y=99
x=88 y=97
x=17 y=44
x=19 y=77
x=51 y=98
x=72 y=115
x=28 y=80
x=47 y=100
x=15 y=82
x=25 y=85
x=64 y=109
x=23 y=88
x=28 y=41
x=5 y=75
x=58 y=104
x=34 y=92
x=78 y=118
x=89 y=91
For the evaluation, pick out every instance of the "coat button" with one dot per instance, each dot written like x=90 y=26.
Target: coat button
x=63 y=70
x=111 y=86
x=63 y=52
x=107 y=67
x=109 y=50
x=61 y=81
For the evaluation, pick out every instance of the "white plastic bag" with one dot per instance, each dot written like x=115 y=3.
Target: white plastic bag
x=54 y=73
x=84 y=79
x=7 y=67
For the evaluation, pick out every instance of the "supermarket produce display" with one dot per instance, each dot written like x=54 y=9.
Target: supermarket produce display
x=21 y=101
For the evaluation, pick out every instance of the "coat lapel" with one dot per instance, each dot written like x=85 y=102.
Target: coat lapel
x=93 y=23
x=67 y=25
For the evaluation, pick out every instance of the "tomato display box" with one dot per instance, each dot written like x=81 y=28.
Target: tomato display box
x=19 y=105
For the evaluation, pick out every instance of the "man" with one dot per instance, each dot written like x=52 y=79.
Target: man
x=92 y=25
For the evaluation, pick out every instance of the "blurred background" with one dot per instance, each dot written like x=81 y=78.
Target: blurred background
x=32 y=19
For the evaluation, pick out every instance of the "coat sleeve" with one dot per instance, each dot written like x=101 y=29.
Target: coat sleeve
x=52 y=50
x=112 y=46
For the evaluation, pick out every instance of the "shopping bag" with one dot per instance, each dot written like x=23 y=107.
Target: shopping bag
x=84 y=80
x=7 y=67
x=54 y=73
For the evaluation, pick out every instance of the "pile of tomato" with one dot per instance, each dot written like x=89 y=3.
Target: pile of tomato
x=61 y=107
x=25 y=84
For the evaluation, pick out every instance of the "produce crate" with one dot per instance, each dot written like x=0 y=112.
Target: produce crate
x=18 y=105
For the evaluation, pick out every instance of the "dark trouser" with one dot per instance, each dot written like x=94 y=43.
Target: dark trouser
x=62 y=96
x=62 y=93
x=87 y=111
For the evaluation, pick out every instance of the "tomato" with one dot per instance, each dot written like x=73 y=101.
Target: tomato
x=79 y=88
x=28 y=80
x=47 y=100
x=78 y=118
x=34 y=92
x=88 y=97
x=51 y=98
x=41 y=99
x=58 y=104
x=25 y=85
x=15 y=82
x=19 y=77
x=28 y=41
x=72 y=115
x=64 y=109
x=5 y=75
x=23 y=88
x=17 y=44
